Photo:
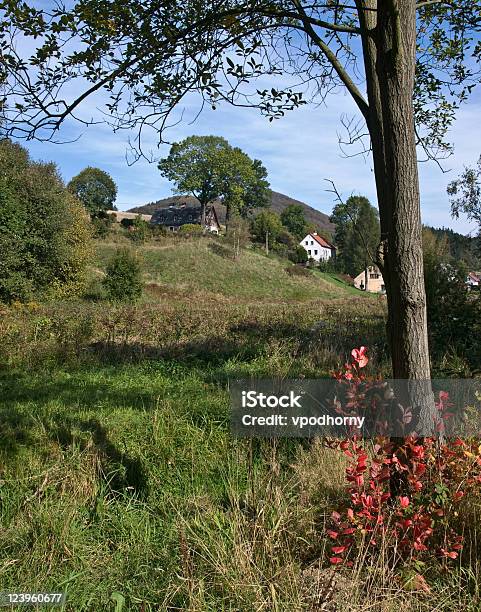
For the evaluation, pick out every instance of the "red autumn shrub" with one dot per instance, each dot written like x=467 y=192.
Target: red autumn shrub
x=435 y=477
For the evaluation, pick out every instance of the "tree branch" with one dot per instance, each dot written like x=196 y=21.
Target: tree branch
x=317 y=22
x=341 y=72
x=430 y=2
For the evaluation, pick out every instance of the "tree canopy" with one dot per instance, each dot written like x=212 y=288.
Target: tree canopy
x=147 y=55
x=267 y=222
x=357 y=234
x=96 y=190
x=209 y=168
x=293 y=219
x=465 y=193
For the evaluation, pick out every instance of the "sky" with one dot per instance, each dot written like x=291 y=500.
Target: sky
x=300 y=151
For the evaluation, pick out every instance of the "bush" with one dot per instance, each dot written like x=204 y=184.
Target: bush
x=281 y=249
x=405 y=494
x=299 y=255
x=138 y=230
x=44 y=230
x=327 y=265
x=101 y=226
x=123 y=280
x=191 y=229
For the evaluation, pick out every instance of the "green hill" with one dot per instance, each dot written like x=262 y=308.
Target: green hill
x=205 y=266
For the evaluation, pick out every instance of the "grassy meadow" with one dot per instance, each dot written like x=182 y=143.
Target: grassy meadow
x=119 y=480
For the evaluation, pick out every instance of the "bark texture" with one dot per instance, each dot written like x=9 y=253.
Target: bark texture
x=389 y=50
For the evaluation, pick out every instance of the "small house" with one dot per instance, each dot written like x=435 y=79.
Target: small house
x=174 y=217
x=370 y=280
x=318 y=248
x=474 y=280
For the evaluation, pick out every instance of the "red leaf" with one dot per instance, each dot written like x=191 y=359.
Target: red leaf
x=336 y=560
x=404 y=501
x=339 y=549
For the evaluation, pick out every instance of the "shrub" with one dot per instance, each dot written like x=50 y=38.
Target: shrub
x=123 y=280
x=44 y=231
x=191 y=229
x=287 y=239
x=327 y=265
x=238 y=234
x=418 y=517
x=138 y=230
x=101 y=226
x=127 y=223
x=299 y=255
x=281 y=249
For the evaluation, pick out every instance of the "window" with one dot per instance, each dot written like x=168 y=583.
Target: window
x=374 y=275
x=309 y=252
x=312 y=242
x=383 y=287
x=315 y=252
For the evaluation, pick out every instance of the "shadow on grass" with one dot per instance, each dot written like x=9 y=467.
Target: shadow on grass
x=121 y=472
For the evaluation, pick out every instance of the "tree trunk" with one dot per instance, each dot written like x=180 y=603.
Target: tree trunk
x=227 y=215
x=389 y=47
x=203 y=205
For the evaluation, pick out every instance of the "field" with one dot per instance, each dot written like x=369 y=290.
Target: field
x=205 y=267
x=120 y=483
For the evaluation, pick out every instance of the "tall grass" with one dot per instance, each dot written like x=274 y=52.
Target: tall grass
x=120 y=482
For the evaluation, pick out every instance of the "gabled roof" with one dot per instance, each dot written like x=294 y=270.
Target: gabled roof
x=322 y=241
x=177 y=216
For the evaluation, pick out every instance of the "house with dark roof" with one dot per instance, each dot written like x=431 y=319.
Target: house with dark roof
x=318 y=248
x=174 y=217
x=474 y=280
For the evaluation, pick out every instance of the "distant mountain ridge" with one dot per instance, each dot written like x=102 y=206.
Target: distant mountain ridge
x=279 y=202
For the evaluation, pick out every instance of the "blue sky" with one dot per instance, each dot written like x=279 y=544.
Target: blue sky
x=299 y=152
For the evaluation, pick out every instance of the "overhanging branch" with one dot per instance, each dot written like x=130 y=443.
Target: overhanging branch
x=336 y=64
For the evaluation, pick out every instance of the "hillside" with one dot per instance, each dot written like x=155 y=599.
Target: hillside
x=279 y=202
x=204 y=268
x=461 y=248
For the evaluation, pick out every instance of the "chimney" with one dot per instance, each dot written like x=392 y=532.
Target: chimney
x=314 y=233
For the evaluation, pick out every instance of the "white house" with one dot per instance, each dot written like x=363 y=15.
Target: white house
x=317 y=247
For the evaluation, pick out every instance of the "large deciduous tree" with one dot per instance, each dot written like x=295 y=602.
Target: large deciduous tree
x=95 y=188
x=406 y=64
x=209 y=168
x=357 y=234
x=293 y=219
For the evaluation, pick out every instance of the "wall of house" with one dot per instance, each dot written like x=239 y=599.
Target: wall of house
x=119 y=215
x=315 y=250
x=375 y=281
